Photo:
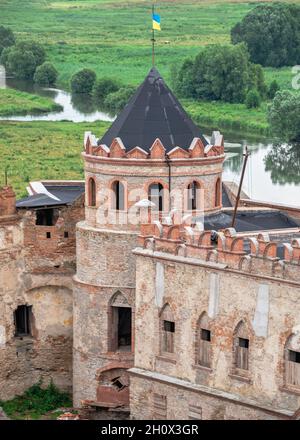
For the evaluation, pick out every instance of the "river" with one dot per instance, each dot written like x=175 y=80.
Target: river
x=273 y=171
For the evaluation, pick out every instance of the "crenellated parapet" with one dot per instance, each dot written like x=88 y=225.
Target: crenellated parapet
x=258 y=255
x=157 y=151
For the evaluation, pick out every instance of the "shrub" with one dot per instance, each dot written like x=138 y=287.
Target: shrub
x=104 y=87
x=7 y=38
x=220 y=73
x=83 y=81
x=116 y=101
x=252 y=99
x=284 y=116
x=22 y=59
x=273 y=89
x=272 y=34
x=45 y=75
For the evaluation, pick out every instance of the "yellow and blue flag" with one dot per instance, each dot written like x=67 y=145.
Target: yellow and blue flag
x=156 y=22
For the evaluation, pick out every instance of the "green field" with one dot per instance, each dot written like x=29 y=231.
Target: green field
x=113 y=36
x=14 y=102
x=42 y=150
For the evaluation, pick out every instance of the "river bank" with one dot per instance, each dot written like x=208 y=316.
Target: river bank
x=15 y=102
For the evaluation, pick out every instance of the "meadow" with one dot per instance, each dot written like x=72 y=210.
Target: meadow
x=42 y=150
x=14 y=102
x=113 y=38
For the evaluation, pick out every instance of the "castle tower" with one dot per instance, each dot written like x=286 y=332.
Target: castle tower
x=154 y=151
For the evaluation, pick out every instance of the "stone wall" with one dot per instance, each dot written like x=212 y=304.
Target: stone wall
x=195 y=279
x=37 y=272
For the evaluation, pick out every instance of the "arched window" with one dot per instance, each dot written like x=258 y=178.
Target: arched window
x=203 y=341
x=167 y=324
x=92 y=192
x=120 y=318
x=292 y=361
x=218 y=193
x=241 y=347
x=118 y=196
x=193 y=196
x=156 y=195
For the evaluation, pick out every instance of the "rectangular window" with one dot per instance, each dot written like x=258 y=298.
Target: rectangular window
x=205 y=335
x=66 y=234
x=168 y=336
x=294 y=356
x=22 y=317
x=124 y=328
x=46 y=217
x=244 y=343
x=48 y=234
x=242 y=354
x=195 y=412
x=159 y=407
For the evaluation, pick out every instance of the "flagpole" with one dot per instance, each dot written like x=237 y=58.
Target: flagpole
x=153 y=40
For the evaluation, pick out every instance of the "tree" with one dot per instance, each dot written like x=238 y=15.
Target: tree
x=283 y=161
x=252 y=99
x=273 y=89
x=22 y=59
x=220 y=73
x=45 y=75
x=116 y=101
x=7 y=38
x=83 y=81
x=272 y=34
x=104 y=87
x=284 y=116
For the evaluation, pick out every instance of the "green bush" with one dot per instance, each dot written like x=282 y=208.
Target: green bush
x=36 y=401
x=272 y=34
x=284 y=116
x=220 y=73
x=273 y=89
x=104 y=87
x=253 y=99
x=116 y=101
x=7 y=38
x=22 y=59
x=83 y=81
x=45 y=75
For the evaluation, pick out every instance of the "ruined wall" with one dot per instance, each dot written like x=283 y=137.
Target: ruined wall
x=37 y=272
x=230 y=287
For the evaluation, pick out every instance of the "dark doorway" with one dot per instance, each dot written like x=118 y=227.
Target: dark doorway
x=124 y=328
x=46 y=217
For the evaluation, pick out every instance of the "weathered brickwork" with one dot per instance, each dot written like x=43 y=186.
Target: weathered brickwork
x=180 y=267
x=36 y=271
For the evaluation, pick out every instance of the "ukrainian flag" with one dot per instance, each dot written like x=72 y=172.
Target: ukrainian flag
x=156 y=22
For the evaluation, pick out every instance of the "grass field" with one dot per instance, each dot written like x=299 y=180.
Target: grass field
x=42 y=150
x=113 y=36
x=14 y=102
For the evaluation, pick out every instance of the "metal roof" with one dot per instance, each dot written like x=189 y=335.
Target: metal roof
x=153 y=112
x=66 y=194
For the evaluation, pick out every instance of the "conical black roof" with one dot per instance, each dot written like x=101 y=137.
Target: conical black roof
x=153 y=112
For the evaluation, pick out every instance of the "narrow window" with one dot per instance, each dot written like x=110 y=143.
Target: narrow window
x=292 y=362
x=159 y=407
x=120 y=333
x=193 y=196
x=155 y=195
x=195 y=412
x=203 y=342
x=218 y=193
x=167 y=330
x=241 y=347
x=66 y=234
x=92 y=192
x=119 y=196
x=48 y=234
x=22 y=317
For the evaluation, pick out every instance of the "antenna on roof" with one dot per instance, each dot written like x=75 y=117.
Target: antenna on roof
x=246 y=156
